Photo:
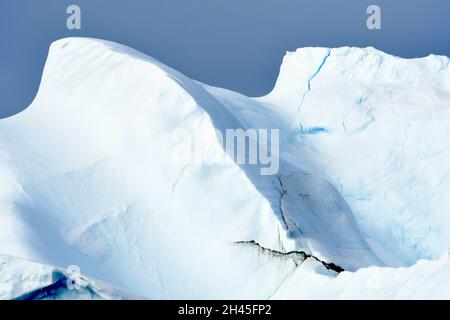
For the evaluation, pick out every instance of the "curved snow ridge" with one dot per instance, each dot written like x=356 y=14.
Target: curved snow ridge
x=106 y=199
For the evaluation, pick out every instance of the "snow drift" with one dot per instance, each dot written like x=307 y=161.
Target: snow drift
x=88 y=176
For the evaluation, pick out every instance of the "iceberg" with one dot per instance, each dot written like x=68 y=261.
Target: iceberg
x=89 y=179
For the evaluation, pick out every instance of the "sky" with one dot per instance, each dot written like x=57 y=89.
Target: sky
x=235 y=44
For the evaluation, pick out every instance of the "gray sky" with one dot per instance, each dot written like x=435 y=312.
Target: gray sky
x=236 y=44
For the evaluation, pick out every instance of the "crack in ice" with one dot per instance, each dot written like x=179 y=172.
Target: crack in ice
x=174 y=185
x=324 y=60
x=298 y=257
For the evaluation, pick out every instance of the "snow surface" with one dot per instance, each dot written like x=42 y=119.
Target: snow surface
x=88 y=177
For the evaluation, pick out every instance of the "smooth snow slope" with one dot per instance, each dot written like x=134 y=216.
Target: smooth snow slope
x=88 y=176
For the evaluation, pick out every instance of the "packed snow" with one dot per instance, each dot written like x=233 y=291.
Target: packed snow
x=89 y=179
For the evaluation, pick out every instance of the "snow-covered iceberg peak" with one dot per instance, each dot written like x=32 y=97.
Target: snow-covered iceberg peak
x=352 y=65
x=94 y=184
x=377 y=125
